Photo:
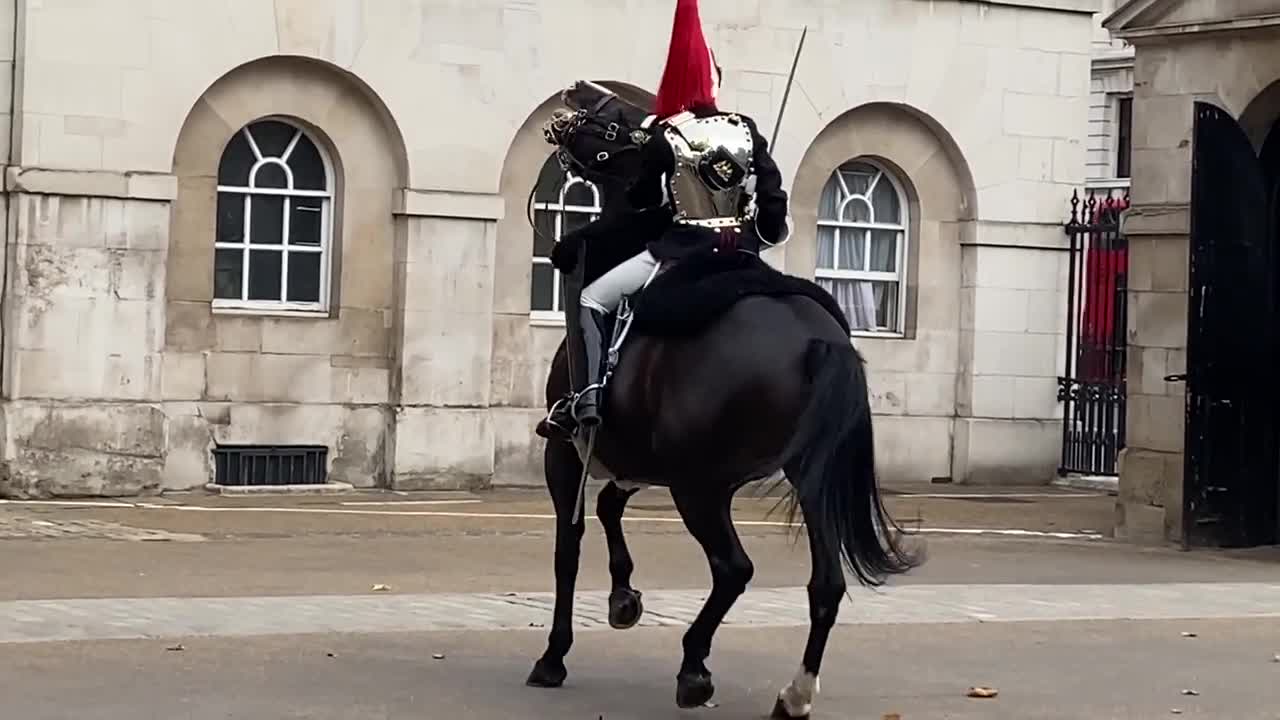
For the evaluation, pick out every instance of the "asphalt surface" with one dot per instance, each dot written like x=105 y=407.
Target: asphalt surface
x=1059 y=671
x=259 y=553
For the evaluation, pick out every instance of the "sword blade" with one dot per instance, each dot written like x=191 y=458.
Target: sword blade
x=786 y=95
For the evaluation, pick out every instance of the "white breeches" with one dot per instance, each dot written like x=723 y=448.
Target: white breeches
x=607 y=291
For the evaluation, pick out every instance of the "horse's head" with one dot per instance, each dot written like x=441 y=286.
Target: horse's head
x=598 y=137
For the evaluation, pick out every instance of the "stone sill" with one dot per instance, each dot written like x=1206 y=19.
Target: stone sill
x=329 y=488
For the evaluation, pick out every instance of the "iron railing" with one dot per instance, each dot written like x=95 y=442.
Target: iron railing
x=1092 y=387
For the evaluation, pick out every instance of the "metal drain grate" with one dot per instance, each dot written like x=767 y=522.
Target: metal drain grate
x=248 y=465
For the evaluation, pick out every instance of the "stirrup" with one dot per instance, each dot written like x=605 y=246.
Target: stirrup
x=552 y=427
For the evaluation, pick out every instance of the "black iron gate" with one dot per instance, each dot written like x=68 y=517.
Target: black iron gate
x=1092 y=387
x=1230 y=485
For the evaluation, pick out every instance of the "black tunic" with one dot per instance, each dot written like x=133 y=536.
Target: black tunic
x=644 y=222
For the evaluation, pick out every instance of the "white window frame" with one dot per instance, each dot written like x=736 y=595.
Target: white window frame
x=904 y=233
x=555 y=316
x=244 y=305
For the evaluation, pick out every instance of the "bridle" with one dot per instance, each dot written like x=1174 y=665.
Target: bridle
x=565 y=126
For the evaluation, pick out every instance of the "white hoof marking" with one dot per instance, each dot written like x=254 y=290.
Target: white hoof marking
x=797 y=697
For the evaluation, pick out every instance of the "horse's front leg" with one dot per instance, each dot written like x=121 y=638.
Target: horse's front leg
x=826 y=588
x=709 y=519
x=563 y=471
x=625 y=607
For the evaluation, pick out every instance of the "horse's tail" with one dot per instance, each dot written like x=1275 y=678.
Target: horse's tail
x=831 y=465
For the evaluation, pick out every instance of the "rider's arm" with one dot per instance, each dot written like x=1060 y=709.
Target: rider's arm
x=655 y=161
x=771 y=199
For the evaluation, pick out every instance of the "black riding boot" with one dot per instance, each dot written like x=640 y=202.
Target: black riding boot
x=587 y=407
x=561 y=423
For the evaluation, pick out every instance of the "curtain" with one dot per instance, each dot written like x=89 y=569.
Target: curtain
x=867 y=305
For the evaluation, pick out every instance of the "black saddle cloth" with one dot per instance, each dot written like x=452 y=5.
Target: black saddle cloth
x=690 y=295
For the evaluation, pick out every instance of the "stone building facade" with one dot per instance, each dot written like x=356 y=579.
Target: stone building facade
x=1214 y=479
x=303 y=222
x=1109 y=162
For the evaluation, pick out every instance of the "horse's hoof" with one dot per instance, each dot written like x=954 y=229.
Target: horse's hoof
x=694 y=690
x=547 y=674
x=780 y=712
x=625 y=608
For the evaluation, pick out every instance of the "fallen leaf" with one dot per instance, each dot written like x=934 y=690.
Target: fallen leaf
x=1189 y=691
x=381 y=588
x=983 y=692
x=1189 y=634
x=175 y=648
x=438 y=656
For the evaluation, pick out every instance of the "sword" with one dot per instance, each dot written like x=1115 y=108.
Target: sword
x=786 y=94
x=777 y=125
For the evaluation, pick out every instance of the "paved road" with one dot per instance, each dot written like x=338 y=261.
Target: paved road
x=271 y=603
x=1043 y=671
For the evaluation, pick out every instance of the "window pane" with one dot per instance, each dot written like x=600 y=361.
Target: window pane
x=886 y=299
x=886 y=202
x=267 y=220
x=270 y=175
x=272 y=136
x=304 y=277
x=307 y=166
x=306 y=218
x=884 y=250
x=228 y=274
x=858 y=177
x=852 y=247
x=574 y=221
x=829 y=204
x=856 y=298
x=230 y=218
x=264 y=275
x=236 y=161
x=580 y=193
x=543 y=287
x=550 y=180
x=827 y=247
x=545 y=237
x=857 y=211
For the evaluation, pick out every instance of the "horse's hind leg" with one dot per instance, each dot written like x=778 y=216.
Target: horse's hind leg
x=826 y=588
x=625 y=608
x=564 y=472
x=710 y=521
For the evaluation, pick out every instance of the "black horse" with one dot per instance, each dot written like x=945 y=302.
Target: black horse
x=771 y=385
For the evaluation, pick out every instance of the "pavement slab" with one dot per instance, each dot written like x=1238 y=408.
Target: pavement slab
x=126 y=618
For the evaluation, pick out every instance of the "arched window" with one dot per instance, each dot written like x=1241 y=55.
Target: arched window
x=275 y=221
x=562 y=203
x=862 y=246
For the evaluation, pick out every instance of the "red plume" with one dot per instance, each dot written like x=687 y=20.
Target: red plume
x=687 y=79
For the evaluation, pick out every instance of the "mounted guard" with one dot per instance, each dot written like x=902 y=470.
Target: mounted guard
x=706 y=183
x=734 y=372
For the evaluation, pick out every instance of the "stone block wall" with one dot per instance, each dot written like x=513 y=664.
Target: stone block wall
x=83 y=353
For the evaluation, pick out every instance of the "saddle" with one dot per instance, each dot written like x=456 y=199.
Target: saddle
x=694 y=292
